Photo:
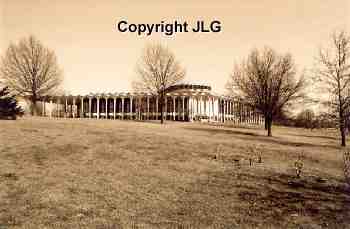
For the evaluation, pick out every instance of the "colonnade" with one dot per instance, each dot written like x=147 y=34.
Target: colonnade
x=177 y=107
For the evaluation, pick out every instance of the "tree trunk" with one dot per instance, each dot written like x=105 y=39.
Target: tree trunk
x=343 y=138
x=342 y=132
x=33 y=110
x=342 y=126
x=269 y=125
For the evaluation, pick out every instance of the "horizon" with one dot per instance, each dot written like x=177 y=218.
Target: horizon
x=95 y=57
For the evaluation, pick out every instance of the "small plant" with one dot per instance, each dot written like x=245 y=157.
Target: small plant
x=298 y=165
x=346 y=164
x=255 y=151
x=219 y=151
x=259 y=153
x=251 y=155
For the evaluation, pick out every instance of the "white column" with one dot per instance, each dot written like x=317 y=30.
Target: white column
x=51 y=108
x=165 y=107
x=43 y=108
x=98 y=107
x=147 y=107
x=106 y=108
x=90 y=101
x=123 y=108
x=224 y=101
x=196 y=108
x=201 y=106
x=189 y=107
x=58 y=108
x=73 y=109
x=213 y=106
x=114 y=106
x=174 y=106
x=221 y=110
x=204 y=106
x=183 y=108
x=82 y=108
x=130 y=107
x=157 y=108
x=228 y=110
x=138 y=110
x=66 y=107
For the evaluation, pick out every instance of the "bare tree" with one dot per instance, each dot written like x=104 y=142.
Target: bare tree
x=157 y=70
x=333 y=74
x=266 y=81
x=30 y=69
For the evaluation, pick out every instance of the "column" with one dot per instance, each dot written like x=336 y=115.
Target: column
x=200 y=106
x=213 y=107
x=66 y=108
x=140 y=110
x=229 y=110
x=82 y=107
x=196 y=108
x=130 y=107
x=165 y=107
x=73 y=109
x=189 y=108
x=106 y=110
x=174 y=106
x=98 y=107
x=58 y=108
x=183 y=108
x=225 y=110
x=114 y=106
x=209 y=108
x=219 y=109
x=147 y=107
x=204 y=106
x=51 y=108
x=157 y=108
x=43 y=108
x=123 y=108
x=233 y=111
x=90 y=107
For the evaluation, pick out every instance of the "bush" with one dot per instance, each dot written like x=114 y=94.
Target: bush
x=9 y=108
x=298 y=165
x=346 y=164
x=255 y=152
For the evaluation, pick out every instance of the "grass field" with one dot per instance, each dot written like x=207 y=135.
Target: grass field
x=124 y=174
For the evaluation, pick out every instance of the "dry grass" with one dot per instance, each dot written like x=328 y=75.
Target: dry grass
x=122 y=174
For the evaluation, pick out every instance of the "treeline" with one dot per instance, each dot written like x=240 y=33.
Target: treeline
x=307 y=119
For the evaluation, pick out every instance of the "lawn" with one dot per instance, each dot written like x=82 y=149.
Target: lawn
x=125 y=174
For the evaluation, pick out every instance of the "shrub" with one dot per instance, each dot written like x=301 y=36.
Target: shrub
x=298 y=165
x=218 y=152
x=9 y=108
x=346 y=164
x=255 y=152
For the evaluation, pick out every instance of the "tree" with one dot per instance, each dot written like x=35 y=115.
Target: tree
x=157 y=70
x=333 y=75
x=267 y=82
x=8 y=105
x=30 y=70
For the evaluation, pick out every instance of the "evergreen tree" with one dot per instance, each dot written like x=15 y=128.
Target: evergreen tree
x=8 y=105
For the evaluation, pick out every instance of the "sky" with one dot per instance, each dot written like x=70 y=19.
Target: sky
x=95 y=57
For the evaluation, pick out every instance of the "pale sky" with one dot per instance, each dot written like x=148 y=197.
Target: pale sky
x=95 y=57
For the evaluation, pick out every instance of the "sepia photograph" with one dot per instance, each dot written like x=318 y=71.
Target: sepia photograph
x=184 y=114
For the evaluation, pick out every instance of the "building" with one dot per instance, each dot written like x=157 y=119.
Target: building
x=183 y=102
